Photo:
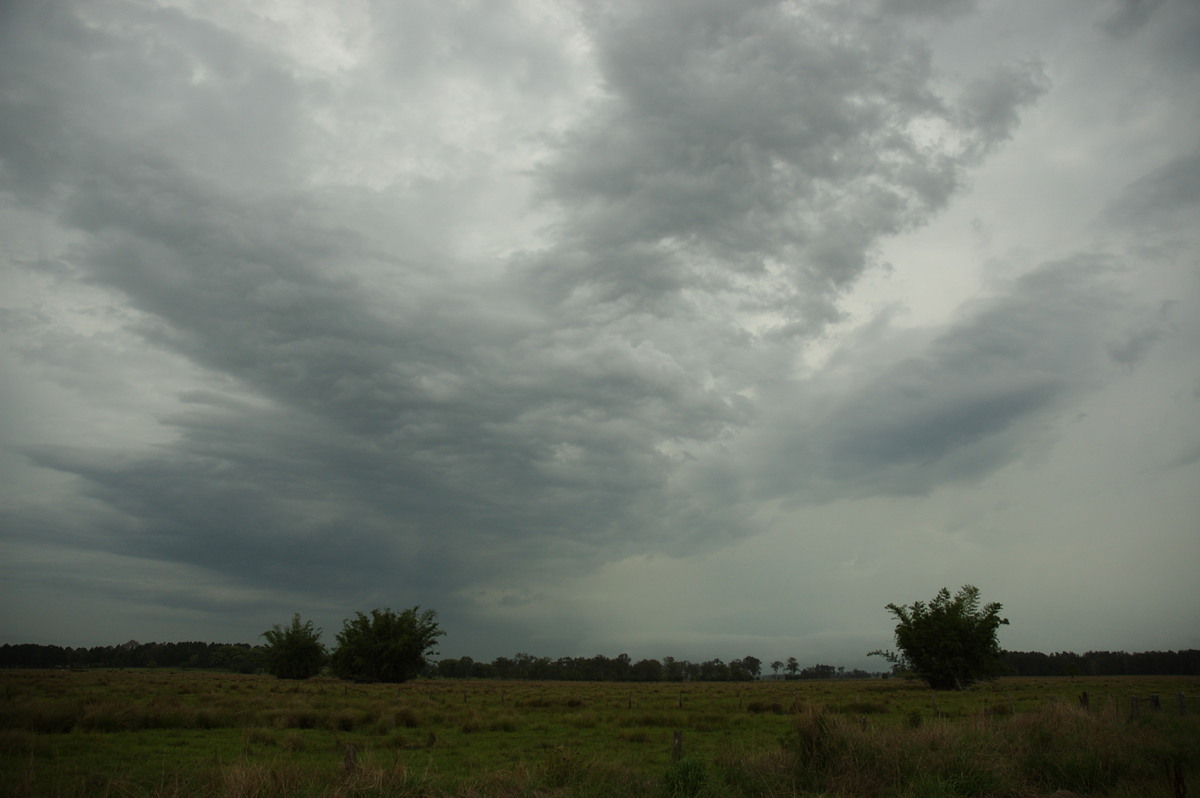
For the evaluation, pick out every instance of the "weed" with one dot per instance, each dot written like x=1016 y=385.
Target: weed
x=685 y=777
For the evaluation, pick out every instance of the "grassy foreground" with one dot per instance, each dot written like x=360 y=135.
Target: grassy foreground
x=155 y=733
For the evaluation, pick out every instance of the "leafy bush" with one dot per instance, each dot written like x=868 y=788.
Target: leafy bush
x=386 y=646
x=949 y=642
x=295 y=652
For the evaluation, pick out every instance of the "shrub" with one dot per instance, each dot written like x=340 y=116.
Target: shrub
x=295 y=652
x=386 y=646
x=685 y=777
x=949 y=642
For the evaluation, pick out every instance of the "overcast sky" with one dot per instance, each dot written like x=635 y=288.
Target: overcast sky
x=695 y=329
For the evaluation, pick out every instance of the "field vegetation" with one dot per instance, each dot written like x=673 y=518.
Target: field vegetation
x=170 y=733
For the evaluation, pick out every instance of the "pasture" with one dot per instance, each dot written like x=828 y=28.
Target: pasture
x=188 y=733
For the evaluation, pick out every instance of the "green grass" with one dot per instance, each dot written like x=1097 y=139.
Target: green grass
x=157 y=733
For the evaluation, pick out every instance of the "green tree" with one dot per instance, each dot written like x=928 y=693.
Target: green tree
x=386 y=646
x=949 y=642
x=294 y=652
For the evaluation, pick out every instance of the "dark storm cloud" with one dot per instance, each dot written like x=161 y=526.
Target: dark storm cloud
x=362 y=405
x=1165 y=196
x=760 y=151
x=1170 y=28
x=972 y=399
x=436 y=428
x=1129 y=16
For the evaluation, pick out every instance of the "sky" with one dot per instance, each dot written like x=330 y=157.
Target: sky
x=694 y=329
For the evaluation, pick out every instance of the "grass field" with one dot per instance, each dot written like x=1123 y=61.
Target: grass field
x=156 y=733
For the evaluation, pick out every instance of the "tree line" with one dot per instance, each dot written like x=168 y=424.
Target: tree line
x=622 y=668
x=245 y=658
x=949 y=642
x=235 y=657
x=1104 y=663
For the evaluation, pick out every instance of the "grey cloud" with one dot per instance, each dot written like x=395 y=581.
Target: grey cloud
x=990 y=105
x=500 y=45
x=1128 y=17
x=941 y=9
x=374 y=411
x=969 y=403
x=1162 y=197
x=153 y=78
x=1164 y=35
x=748 y=151
x=721 y=133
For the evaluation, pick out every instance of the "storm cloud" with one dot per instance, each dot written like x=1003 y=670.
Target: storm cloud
x=470 y=307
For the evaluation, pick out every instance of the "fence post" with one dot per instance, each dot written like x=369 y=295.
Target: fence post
x=1083 y=700
x=1182 y=703
x=350 y=760
x=1133 y=707
x=1154 y=703
x=677 y=746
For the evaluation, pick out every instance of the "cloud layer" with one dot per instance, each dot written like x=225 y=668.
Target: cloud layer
x=459 y=306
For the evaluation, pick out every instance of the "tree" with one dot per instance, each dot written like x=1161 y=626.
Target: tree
x=647 y=670
x=949 y=642
x=386 y=646
x=674 y=670
x=295 y=652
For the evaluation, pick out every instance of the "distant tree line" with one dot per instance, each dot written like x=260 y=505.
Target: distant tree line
x=244 y=658
x=1104 y=663
x=622 y=668
x=236 y=657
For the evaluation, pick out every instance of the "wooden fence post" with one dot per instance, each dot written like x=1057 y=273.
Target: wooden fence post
x=677 y=746
x=1083 y=700
x=1154 y=703
x=1182 y=703
x=350 y=760
x=1133 y=707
